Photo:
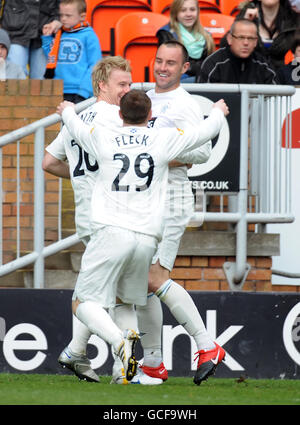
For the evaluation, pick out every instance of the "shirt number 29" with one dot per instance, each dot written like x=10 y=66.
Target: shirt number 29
x=116 y=186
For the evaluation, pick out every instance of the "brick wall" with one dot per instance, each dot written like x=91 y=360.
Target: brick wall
x=21 y=103
x=206 y=273
x=25 y=101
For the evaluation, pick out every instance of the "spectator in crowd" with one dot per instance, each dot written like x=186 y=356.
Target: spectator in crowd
x=8 y=69
x=73 y=51
x=278 y=25
x=290 y=73
x=24 y=20
x=185 y=27
x=295 y=5
x=238 y=62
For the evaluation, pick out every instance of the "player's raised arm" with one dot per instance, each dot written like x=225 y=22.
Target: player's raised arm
x=187 y=140
x=80 y=131
x=200 y=154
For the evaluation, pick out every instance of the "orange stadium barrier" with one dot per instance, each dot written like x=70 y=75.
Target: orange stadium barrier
x=135 y=40
x=229 y=7
x=104 y=14
x=217 y=24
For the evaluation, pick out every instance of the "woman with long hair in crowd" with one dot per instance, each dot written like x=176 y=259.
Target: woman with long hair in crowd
x=185 y=27
x=278 y=24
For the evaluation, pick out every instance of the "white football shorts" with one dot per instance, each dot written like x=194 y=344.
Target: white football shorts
x=115 y=263
x=179 y=208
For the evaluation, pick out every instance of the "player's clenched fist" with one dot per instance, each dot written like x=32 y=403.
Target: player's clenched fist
x=222 y=105
x=64 y=105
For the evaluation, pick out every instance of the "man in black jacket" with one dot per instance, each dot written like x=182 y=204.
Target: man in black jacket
x=238 y=63
x=24 y=20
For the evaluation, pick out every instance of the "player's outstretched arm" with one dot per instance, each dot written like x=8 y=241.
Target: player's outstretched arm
x=201 y=154
x=186 y=141
x=79 y=130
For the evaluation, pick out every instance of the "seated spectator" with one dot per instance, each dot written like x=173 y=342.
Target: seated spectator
x=185 y=27
x=8 y=69
x=290 y=73
x=73 y=52
x=24 y=20
x=277 y=24
x=238 y=62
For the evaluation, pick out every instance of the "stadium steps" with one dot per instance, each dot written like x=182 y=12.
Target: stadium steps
x=61 y=271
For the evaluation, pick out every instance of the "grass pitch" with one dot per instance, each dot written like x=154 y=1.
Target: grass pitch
x=36 y=389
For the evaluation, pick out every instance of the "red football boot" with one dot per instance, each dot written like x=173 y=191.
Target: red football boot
x=208 y=361
x=156 y=372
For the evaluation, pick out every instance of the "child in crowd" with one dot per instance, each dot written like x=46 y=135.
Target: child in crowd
x=24 y=21
x=8 y=69
x=185 y=27
x=73 y=52
x=290 y=73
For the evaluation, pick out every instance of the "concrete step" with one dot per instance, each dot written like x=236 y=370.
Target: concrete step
x=61 y=272
x=12 y=280
x=63 y=260
x=61 y=269
x=53 y=279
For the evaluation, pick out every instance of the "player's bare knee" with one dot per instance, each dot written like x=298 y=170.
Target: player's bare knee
x=157 y=276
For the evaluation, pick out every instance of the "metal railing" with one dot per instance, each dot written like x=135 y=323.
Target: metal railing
x=40 y=251
x=265 y=174
x=264 y=194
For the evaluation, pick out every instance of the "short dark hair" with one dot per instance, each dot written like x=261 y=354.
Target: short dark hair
x=174 y=43
x=243 y=21
x=135 y=106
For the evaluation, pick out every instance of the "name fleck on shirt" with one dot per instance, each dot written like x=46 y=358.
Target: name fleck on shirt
x=126 y=140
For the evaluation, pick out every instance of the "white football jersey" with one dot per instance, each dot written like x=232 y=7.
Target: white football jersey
x=131 y=183
x=178 y=108
x=83 y=166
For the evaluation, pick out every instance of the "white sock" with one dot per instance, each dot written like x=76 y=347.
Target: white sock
x=99 y=322
x=124 y=316
x=150 y=321
x=152 y=357
x=185 y=312
x=80 y=337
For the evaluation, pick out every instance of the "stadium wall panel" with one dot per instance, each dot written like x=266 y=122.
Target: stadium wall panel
x=259 y=331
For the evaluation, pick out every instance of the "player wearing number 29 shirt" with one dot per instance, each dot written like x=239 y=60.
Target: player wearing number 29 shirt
x=83 y=167
x=128 y=197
